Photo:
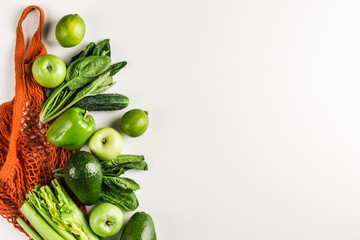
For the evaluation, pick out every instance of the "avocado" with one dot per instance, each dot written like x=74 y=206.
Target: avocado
x=83 y=175
x=140 y=227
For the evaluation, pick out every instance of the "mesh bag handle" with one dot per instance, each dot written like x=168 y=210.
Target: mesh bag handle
x=36 y=47
x=26 y=158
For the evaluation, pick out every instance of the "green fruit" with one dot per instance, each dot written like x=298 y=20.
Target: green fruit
x=106 y=143
x=49 y=70
x=135 y=122
x=70 y=30
x=83 y=175
x=106 y=220
x=140 y=227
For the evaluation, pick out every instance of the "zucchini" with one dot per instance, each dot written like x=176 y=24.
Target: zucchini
x=103 y=102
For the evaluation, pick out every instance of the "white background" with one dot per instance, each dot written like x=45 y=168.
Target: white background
x=254 y=110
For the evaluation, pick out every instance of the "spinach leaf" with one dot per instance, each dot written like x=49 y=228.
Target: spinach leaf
x=49 y=91
x=124 y=158
x=114 y=171
x=99 y=85
x=86 y=69
x=102 y=48
x=88 y=50
x=140 y=166
x=84 y=53
x=117 y=183
x=115 y=68
x=123 y=163
x=117 y=170
x=125 y=199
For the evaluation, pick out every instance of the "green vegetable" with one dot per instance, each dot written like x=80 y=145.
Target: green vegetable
x=99 y=85
x=125 y=199
x=85 y=69
x=86 y=52
x=56 y=215
x=103 y=48
x=60 y=212
x=89 y=74
x=32 y=234
x=118 y=170
x=121 y=182
x=115 y=68
x=103 y=102
x=41 y=206
x=70 y=211
x=119 y=190
x=124 y=159
x=123 y=163
x=72 y=129
x=82 y=173
x=140 y=227
x=41 y=226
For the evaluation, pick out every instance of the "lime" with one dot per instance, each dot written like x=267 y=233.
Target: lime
x=70 y=30
x=135 y=122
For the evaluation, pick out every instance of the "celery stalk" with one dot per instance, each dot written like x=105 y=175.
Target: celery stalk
x=61 y=212
x=41 y=226
x=42 y=209
x=66 y=200
x=28 y=229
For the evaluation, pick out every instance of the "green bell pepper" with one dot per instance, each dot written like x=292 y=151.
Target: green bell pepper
x=71 y=129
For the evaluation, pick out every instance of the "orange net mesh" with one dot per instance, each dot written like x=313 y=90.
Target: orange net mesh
x=26 y=158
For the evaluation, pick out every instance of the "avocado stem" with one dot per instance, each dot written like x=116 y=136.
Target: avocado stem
x=58 y=170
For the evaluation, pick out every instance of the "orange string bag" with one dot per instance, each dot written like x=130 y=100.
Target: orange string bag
x=26 y=158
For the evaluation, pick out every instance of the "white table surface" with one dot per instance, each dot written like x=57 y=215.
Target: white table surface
x=254 y=110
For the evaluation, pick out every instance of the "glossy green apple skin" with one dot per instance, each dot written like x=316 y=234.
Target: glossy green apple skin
x=106 y=143
x=106 y=220
x=49 y=70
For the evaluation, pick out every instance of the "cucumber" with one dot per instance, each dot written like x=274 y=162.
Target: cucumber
x=103 y=102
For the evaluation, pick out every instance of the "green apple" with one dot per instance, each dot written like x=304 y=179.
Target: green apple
x=106 y=143
x=49 y=70
x=106 y=220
